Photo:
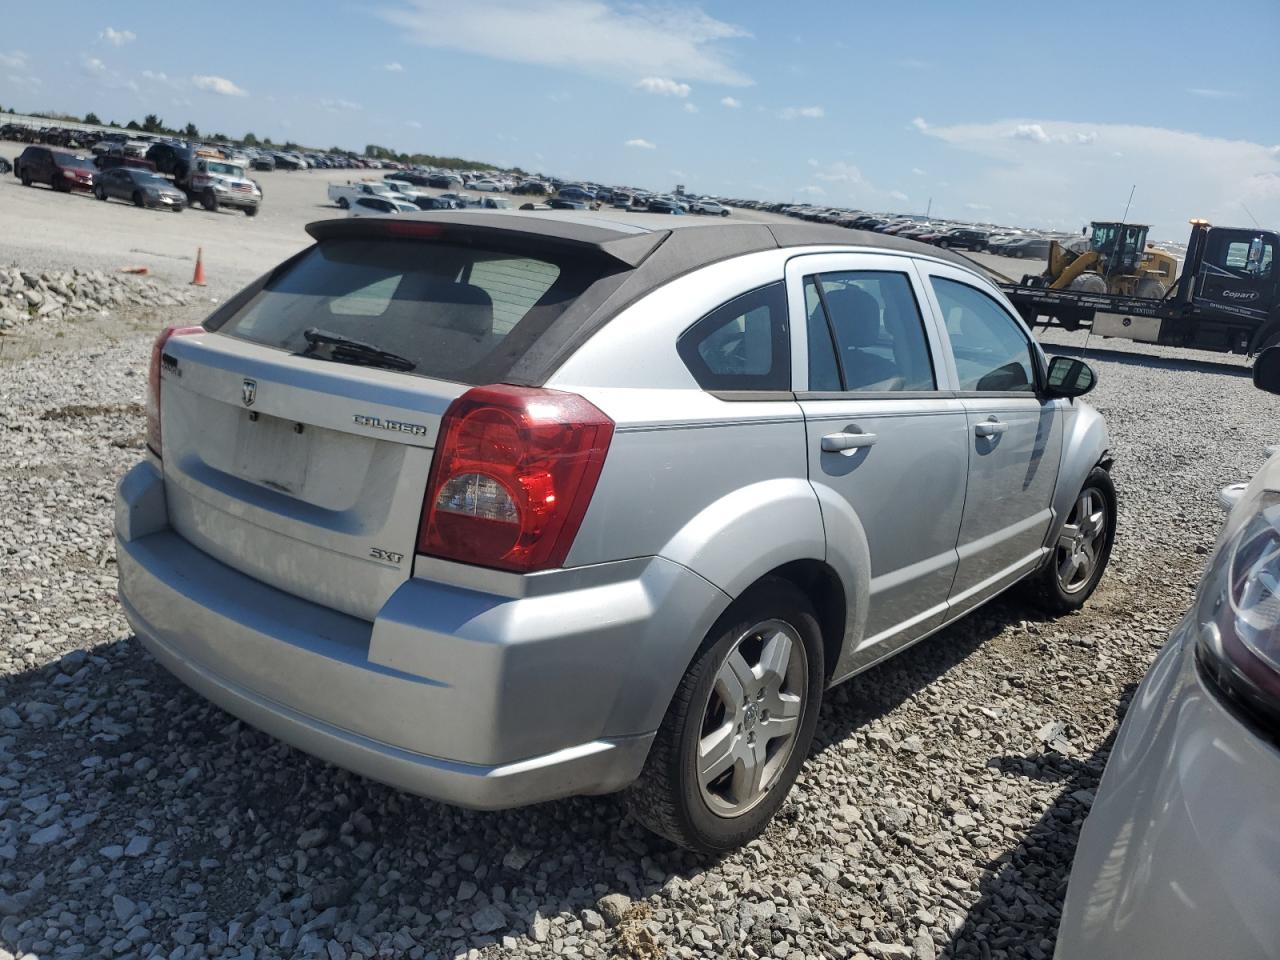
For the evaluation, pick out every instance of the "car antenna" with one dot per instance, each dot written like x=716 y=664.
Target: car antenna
x=1251 y=216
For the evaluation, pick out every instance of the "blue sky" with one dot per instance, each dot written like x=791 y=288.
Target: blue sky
x=992 y=110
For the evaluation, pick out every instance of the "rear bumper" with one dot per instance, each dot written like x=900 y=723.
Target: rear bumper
x=477 y=699
x=1178 y=858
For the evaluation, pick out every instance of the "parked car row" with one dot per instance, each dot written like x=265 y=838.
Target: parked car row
x=199 y=176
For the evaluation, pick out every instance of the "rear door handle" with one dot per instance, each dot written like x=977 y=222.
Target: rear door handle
x=990 y=428
x=846 y=443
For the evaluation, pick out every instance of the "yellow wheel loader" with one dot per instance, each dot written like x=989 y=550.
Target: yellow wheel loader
x=1114 y=259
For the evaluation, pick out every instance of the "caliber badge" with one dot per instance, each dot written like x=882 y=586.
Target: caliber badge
x=249 y=391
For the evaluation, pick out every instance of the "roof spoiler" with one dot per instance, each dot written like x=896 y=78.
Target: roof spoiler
x=627 y=249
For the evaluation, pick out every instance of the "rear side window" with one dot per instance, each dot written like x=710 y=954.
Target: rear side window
x=743 y=345
x=459 y=313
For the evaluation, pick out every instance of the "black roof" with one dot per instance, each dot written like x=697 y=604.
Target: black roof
x=647 y=251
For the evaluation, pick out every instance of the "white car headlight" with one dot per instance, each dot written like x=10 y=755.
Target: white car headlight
x=1238 y=610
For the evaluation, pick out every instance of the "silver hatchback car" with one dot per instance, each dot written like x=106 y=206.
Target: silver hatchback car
x=499 y=508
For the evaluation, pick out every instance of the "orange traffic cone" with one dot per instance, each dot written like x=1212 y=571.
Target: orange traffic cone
x=197 y=280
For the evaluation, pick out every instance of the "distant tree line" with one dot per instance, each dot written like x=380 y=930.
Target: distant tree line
x=155 y=125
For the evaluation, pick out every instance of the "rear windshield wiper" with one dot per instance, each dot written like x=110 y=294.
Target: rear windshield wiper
x=346 y=350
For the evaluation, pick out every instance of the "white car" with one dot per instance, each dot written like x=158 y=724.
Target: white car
x=379 y=206
x=345 y=194
x=709 y=207
x=485 y=184
x=1180 y=855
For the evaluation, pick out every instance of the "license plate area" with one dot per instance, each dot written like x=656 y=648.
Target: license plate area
x=272 y=452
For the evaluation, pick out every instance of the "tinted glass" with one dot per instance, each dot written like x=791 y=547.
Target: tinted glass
x=992 y=353
x=824 y=372
x=743 y=345
x=459 y=313
x=879 y=333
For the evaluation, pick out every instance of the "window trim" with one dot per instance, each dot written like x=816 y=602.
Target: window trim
x=689 y=356
x=835 y=340
x=1038 y=363
x=803 y=265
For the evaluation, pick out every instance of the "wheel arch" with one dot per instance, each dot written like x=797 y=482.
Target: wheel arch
x=1085 y=445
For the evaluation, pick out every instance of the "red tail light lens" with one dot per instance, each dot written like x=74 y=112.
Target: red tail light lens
x=153 y=383
x=514 y=471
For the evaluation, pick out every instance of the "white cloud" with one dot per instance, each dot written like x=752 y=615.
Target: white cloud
x=917 y=171
x=158 y=77
x=811 y=113
x=812 y=190
x=336 y=105
x=219 y=85
x=911 y=63
x=1211 y=93
x=1030 y=131
x=1069 y=184
x=104 y=76
x=414 y=124
x=839 y=172
x=663 y=87
x=393 y=67
x=13 y=60
x=731 y=102
x=977 y=207
x=919 y=124
x=690 y=108
x=641 y=143
x=584 y=36
x=117 y=38
x=899 y=195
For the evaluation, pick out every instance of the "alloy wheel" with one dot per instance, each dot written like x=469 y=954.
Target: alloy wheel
x=751 y=718
x=1081 y=541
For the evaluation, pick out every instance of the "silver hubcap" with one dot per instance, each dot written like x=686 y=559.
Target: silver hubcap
x=751 y=717
x=1081 y=541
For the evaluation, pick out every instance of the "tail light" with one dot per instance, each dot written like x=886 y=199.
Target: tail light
x=514 y=471
x=153 y=383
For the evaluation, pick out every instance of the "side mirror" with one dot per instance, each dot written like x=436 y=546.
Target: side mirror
x=1266 y=370
x=1069 y=377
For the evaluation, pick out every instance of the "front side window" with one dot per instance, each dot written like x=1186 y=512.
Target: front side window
x=742 y=345
x=992 y=353
x=866 y=333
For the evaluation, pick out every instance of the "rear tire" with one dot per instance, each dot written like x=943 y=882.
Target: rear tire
x=770 y=638
x=943 y=244
x=250 y=211
x=1079 y=558
x=209 y=200
x=1149 y=288
x=100 y=193
x=25 y=178
x=138 y=201
x=344 y=203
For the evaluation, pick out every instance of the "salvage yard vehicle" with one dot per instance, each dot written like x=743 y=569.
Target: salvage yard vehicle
x=218 y=183
x=1227 y=297
x=344 y=194
x=1178 y=858
x=503 y=507
x=61 y=171
x=376 y=206
x=140 y=187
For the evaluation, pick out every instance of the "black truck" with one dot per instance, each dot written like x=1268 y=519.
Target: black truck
x=1227 y=298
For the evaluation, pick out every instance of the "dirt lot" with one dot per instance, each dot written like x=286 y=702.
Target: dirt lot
x=137 y=820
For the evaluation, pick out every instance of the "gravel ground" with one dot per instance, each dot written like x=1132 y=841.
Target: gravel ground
x=936 y=817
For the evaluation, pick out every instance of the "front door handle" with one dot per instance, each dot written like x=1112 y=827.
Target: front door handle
x=847 y=443
x=990 y=428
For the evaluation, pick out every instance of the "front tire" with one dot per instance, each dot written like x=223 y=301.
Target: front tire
x=1079 y=557
x=739 y=726
x=209 y=200
x=138 y=200
x=100 y=193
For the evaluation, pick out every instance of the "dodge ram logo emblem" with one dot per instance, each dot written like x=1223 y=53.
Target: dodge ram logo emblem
x=249 y=391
